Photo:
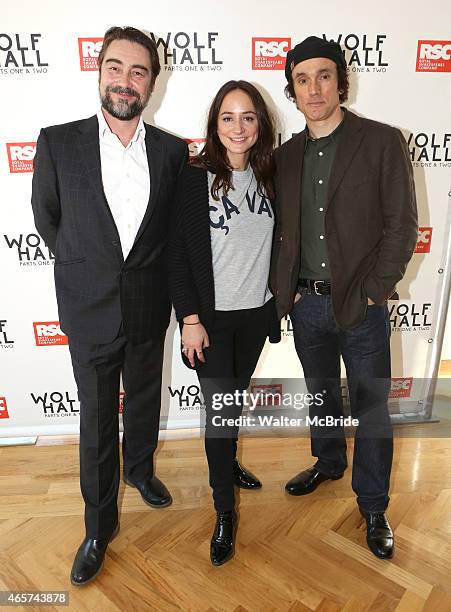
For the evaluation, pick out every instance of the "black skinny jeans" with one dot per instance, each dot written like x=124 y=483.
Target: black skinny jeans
x=236 y=341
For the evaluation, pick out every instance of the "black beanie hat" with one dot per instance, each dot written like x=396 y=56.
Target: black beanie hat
x=313 y=47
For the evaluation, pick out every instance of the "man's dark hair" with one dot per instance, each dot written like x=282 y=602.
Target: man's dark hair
x=343 y=85
x=135 y=36
x=213 y=156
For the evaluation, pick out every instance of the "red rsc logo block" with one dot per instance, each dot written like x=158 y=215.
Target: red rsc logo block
x=3 y=408
x=424 y=240
x=269 y=395
x=401 y=387
x=269 y=53
x=20 y=156
x=194 y=145
x=89 y=49
x=49 y=333
x=434 y=56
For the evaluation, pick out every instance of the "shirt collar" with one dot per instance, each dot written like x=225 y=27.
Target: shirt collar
x=105 y=132
x=332 y=136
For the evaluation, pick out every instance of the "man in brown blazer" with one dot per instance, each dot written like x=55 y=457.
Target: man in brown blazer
x=346 y=229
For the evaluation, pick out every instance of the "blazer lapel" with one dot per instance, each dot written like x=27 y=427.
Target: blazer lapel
x=155 y=157
x=350 y=139
x=90 y=153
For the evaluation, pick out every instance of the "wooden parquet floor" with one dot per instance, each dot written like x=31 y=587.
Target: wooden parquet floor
x=292 y=554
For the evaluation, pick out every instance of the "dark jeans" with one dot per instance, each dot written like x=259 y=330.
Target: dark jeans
x=97 y=369
x=366 y=355
x=236 y=341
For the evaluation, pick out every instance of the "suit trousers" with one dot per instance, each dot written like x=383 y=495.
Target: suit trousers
x=236 y=341
x=366 y=354
x=97 y=369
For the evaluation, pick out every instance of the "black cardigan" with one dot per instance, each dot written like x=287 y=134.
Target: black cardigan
x=190 y=259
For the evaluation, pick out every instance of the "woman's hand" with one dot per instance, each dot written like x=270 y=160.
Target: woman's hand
x=194 y=339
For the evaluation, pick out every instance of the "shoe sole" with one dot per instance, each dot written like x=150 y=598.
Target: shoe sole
x=298 y=493
x=81 y=584
x=165 y=505
x=244 y=488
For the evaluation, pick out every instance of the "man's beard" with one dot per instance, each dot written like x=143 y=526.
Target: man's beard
x=123 y=109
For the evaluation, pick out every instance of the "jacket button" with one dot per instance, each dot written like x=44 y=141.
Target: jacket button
x=281 y=238
x=115 y=243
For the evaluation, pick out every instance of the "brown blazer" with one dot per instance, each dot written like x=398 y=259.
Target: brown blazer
x=370 y=223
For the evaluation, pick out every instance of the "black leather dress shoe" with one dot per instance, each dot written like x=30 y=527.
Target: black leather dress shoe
x=307 y=481
x=222 y=547
x=379 y=535
x=89 y=559
x=153 y=492
x=243 y=478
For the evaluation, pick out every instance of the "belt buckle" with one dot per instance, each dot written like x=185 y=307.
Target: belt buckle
x=315 y=288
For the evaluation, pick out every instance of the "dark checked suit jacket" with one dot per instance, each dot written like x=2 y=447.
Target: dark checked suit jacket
x=370 y=223
x=96 y=290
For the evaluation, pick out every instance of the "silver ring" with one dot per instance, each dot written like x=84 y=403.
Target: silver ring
x=184 y=350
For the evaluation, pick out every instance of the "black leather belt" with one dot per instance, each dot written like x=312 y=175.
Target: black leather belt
x=320 y=287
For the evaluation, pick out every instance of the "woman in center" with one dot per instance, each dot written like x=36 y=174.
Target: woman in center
x=219 y=270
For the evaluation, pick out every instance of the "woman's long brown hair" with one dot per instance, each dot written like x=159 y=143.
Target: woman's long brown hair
x=213 y=156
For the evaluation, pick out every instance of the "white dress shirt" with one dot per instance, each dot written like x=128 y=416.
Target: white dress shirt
x=126 y=180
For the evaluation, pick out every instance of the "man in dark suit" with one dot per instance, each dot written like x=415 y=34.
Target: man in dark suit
x=102 y=201
x=346 y=229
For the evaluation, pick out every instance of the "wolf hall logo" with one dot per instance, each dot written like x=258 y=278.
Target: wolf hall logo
x=6 y=341
x=31 y=250
x=430 y=149
x=188 y=397
x=410 y=317
x=57 y=404
x=363 y=52
x=190 y=51
x=20 y=54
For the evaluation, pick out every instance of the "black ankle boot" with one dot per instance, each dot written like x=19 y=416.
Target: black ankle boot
x=88 y=561
x=222 y=546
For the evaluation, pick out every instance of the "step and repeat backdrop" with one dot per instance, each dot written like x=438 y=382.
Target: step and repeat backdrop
x=399 y=58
